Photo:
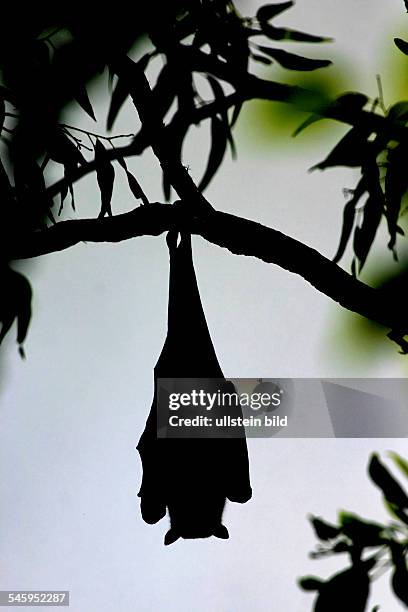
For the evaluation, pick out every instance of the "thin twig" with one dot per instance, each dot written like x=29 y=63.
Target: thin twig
x=71 y=127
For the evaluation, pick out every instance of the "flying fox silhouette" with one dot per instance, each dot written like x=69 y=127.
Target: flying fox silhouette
x=190 y=478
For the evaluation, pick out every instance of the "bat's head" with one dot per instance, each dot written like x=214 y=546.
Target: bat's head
x=198 y=517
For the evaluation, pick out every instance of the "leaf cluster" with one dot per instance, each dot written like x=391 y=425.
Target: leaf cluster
x=196 y=67
x=371 y=547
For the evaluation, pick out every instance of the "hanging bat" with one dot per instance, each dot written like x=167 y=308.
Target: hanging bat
x=190 y=478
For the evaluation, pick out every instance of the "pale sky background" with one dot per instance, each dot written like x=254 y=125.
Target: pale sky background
x=72 y=414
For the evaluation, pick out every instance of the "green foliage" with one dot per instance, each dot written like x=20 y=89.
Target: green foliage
x=371 y=547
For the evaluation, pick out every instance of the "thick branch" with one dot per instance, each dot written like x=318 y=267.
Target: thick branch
x=240 y=236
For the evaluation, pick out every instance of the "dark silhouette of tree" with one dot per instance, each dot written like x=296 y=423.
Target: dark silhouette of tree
x=373 y=548
x=46 y=62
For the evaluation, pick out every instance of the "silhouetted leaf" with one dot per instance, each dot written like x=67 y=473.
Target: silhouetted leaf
x=185 y=91
x=6 y=191
x=395 y=187
x=219 y=96
x=352 y=101
x=341 y=547
x=51 y=216
x=364 y=235
x=218 y=92
x=63 y=195
x=132 y=74
x=105 y=174
x=261 y=58
x=323 y=530
x=71 y=191
x=84 y=102
x=136 y=189
x=310 y=583
x=395 y=511
x=119 y=95
x=392 y=490
x=361 y=532
x=134 y=185
x=235 y=113
x=291 y=61
x=217 y=151
x=399 y=577
x=291 y=35
x=62 y=150
x=400 y=583
x=164 y=91
x=402 y=45
x=346 y=590
x=166 y=188
x=269 y=11
x=349 y=214
x=352 y=151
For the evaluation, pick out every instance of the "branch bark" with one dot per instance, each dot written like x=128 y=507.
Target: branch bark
x=240 y=236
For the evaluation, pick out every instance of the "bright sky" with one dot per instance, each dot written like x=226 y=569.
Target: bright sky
x=72 y=414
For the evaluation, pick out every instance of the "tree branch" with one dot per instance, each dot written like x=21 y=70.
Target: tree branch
x=240 y=236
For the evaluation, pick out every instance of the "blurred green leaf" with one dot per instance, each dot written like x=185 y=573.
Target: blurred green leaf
x=400 y=462
x=392 y=490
